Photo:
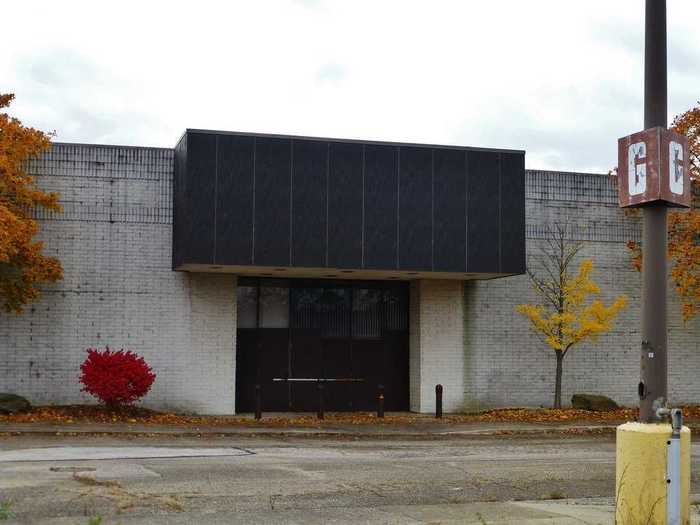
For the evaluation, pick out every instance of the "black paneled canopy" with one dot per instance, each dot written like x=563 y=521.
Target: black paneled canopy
x=261 y=204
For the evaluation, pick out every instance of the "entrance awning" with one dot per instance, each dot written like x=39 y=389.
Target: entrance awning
x=256 y=204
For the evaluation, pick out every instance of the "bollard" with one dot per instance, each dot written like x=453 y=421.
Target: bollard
x=438 y=401
x=319 y=414
x=258 y=402
x=380 y=401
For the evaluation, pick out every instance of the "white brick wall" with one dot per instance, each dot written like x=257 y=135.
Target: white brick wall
x=507 y=365
x=436 y=342
x=114 y=241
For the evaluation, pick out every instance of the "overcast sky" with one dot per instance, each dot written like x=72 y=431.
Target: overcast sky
x=559 y=79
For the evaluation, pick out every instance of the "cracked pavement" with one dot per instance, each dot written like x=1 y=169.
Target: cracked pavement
x=303 y=480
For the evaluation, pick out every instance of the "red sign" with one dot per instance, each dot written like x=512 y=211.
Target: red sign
x=652 y=166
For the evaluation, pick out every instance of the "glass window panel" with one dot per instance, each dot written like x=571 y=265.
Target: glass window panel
x=305 y=308
x=367 y=313
x=396 y=309
x=274 y=307
x=334 y=307
x=247 y=306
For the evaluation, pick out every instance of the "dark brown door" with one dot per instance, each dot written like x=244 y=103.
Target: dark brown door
x=337 y=364
x=305 y=359
x=336 y=331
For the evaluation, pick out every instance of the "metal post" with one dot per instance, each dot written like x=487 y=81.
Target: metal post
x=380 y=401
x=673 y=470
x=320 y=399
x=639 y=465
x=438 y=401
x=653 y=387
x=258 y=401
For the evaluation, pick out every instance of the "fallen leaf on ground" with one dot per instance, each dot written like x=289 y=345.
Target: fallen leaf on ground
x=86 y=414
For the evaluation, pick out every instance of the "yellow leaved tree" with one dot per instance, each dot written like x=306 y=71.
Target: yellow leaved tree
x=23 y=264
x=569 y=310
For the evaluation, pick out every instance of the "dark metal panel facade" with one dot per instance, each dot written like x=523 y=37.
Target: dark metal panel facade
x=201 y=193
x=273 y=201
x=381 y=207
x=234 y=200
x=483 y=220
x=512 y=213
x=181 y=214
x=309 y=209
x=345 y=205
x=450 y=204
x=416 y=209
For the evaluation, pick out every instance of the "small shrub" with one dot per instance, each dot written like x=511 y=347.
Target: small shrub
x=555 y=494
x=5 y=512
x=115 y=377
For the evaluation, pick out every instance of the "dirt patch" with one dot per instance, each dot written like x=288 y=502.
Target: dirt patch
x=122 y=498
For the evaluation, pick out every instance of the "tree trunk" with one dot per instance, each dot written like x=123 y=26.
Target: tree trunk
x=557 y=387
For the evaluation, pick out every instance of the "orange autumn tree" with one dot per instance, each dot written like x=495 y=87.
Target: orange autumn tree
x=23 y=266
x=569 y=310
x=684 y=226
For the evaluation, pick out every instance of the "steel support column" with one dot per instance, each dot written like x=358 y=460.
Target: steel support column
x=653 y=387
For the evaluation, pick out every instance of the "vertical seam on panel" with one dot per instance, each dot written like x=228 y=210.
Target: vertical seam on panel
x=398 y=206
x=328 y=184
x=432 y=209
x=216 y=190
x=466 y=211
x=291 y=199
x=255 y=148
x=500 y=209
x=362 y=255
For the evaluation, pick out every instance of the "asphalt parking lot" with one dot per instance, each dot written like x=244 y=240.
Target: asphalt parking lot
x=165 y=479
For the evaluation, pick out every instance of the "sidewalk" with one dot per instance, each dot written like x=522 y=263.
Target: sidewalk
x=572 y=511
x=588 y=511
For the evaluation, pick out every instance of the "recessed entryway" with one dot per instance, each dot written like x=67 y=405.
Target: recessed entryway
x=294 y=333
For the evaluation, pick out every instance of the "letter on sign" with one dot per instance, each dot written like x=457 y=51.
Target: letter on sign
x=651 y=168
x=637 y=168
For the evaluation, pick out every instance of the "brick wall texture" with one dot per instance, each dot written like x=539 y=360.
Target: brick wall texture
x=114 y=239
x=506 y=364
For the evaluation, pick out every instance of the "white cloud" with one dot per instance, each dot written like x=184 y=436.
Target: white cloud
x=561 y=80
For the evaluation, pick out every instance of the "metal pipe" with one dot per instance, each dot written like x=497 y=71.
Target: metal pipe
x=655 y=76
x=318 y=379
x=653 y=387
x=673 y=470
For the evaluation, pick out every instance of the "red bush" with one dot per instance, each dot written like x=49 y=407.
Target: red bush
x=115 y=378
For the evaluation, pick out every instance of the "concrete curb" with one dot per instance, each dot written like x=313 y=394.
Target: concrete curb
x=360 y=432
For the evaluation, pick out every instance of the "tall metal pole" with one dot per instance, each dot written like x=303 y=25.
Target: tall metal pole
x=654 y=387
x=648 y=456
